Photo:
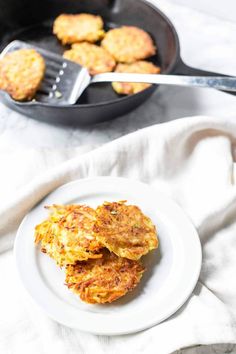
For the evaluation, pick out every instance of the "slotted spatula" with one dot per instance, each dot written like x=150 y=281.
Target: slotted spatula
x=65 y=81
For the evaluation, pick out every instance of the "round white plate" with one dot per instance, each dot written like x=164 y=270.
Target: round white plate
x=172 y=270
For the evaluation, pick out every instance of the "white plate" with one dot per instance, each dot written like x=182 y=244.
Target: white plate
x=172 y=270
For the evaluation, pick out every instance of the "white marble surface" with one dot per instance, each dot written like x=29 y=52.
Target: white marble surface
x=228 y=11
x=207 y=42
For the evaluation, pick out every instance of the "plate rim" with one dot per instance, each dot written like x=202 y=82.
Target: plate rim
x=136 y=328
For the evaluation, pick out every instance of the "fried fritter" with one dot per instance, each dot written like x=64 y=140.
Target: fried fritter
x=96 y=59
x=140 y=67
x=78 y=28
x=67 y=235
x=128 y=44
x=105 y=279
x=125 y=230
x=21 y=73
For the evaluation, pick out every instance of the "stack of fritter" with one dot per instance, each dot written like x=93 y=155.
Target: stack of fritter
x=122 y=49
x=99 y=249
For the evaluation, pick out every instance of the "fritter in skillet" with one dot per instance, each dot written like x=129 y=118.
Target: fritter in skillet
x=78 y=28
x=128 y=44
x=96 y=59
x=67 y=236
x=105 y=279
x=139 y=67
x=21 y=73
x=125 y=230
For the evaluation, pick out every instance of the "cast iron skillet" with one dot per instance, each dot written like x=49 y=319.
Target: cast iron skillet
x=31 y=21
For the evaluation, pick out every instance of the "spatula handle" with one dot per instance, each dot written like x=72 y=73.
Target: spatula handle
x=218 y=82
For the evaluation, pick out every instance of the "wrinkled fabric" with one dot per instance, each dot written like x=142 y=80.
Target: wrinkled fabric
x=193 y=161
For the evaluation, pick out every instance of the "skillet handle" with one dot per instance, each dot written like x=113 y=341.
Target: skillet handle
x=183 y=69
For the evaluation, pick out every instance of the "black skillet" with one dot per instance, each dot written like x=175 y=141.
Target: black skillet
x=31 y=21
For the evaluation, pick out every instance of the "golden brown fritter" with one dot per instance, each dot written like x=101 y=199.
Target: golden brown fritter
x=128 y=44
x=96 y=59
x=139 y=67
x=125 y=230
x=21 y=73
x=67 y=234
x=78 y=28
x=105 y=279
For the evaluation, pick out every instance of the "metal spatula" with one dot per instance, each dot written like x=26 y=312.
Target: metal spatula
x=65 y=81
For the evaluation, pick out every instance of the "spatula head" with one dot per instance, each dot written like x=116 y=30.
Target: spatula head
x=64 y=81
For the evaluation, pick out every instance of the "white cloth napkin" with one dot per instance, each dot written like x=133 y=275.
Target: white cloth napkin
x=192 y=160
